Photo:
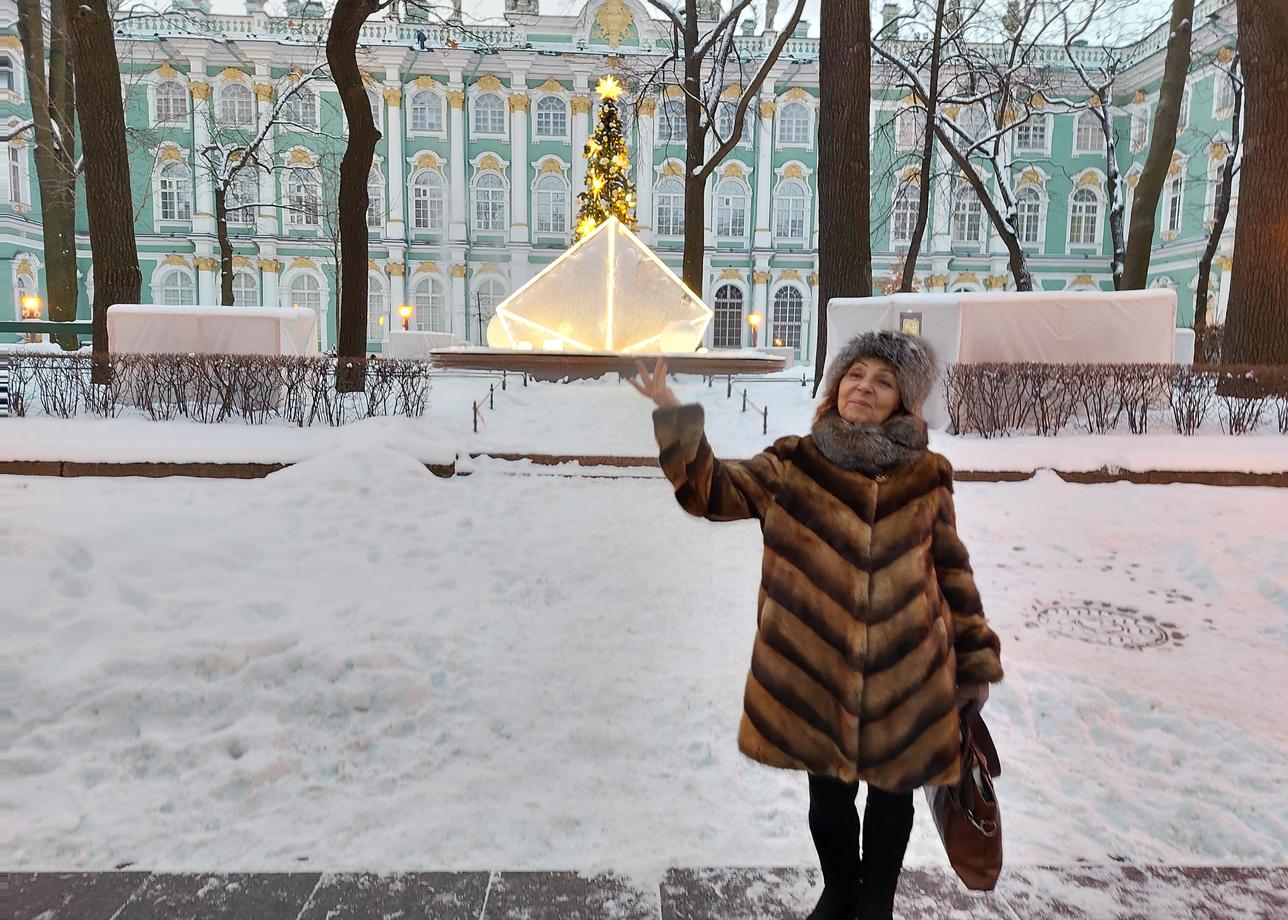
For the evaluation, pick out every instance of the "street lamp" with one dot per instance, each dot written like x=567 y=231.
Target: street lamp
x=405 y=312
x=754 y=321
x=30 y=307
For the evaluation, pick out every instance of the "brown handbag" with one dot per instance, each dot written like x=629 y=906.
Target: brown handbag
x=966 y=812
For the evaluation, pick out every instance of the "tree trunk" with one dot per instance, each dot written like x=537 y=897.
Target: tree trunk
x=355 y=168
x=107 y=169
x=1117 y=197
x=695 y=132
x=1256 y=324
x=225 y=246
x=51 y=100
x=927 y=157
x=1221 y=211
x=845 y=237
x=1162 y=142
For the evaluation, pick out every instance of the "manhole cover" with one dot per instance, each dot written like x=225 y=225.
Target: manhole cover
x=1102 y=626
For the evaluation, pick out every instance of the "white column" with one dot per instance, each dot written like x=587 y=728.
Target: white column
x=395 y=186
x=520 y=269
x=266 y=218
x=207 y=275
x=644 y=173
x=519 y=188
x=760 y=299
x=458 y=176
x=397 y=289
x=270 y=270
x=457 y=318
x=580 y=131
x=764 y=171
x=203 y=219
x=941 y=194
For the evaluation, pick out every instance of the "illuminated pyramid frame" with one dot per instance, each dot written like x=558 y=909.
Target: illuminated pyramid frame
x=607 y=293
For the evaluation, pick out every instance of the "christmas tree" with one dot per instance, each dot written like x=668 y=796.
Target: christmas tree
x=609 y=192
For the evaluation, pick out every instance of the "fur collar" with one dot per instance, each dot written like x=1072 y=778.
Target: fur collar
x=871 y=449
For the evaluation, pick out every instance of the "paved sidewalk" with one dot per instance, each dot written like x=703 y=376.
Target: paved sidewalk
x=1095 y=892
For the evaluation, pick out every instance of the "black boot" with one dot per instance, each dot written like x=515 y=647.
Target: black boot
x=834 y=825
x=887 y=825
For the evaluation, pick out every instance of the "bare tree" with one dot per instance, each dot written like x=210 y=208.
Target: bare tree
x=1225 y=188
x=1256 y=325
x=53 y=124
x=701 y=62
x=1162 y=143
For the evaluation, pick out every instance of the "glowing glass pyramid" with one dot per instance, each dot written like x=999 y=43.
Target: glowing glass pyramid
x=608 y=293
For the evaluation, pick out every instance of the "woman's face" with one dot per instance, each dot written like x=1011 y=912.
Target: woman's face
x=869 y=393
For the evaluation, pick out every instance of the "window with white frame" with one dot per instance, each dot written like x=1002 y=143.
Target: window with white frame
x=671 y=126
x=175 y=187
x=17 y=189
x=25 y=287
x=726 y=324
x=1084 y=218
x=489 y=115
x=731 y=208
x=427 y=111
x=1183 y=120
x=236 y=106
x=488 y=293
x=1028 y=215
x=242 y=191
x=1223 y=92
x=306 y=294
x=1216 y=173
x=726 y=115
x=1090 y=136
x=303 y=198
x=669 y=194
x=427 y=201
x=1175 y=203
x=552 y=117
x=791 y=208
x=373 y=102
x=375 y=200
x=1031 y=135
x=552 y=204
x=301 y=109
x=903 y=212
x=377 y=307
x=1139 y=129
x=968 y=216
x=489 y=203
x=177 y=289
x=245 y=289
x=8 y=81
x=429 y=302
x=171 y=101
x=789 y=308
x=793 y=125
x=973 y=121
x=909 y=128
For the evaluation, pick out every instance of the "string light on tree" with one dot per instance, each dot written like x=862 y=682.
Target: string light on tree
x=609 y=192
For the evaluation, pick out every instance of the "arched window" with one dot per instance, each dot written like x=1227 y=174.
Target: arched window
x=968 y=215
x=301 y=109
x=903 y=213
x=304 y=198
x=430 y=304
x=1084 y=218
x=487 y=294
x=375 y=200
x=175 y=186
x=1183 y=119
x=670 y=207
x=552 y=204
x=172 y=101
x=1091 y=137
x=427 y=195
x=671 y=124
x=552 y=117
x=909 y=128
x=17 y=187
x=1139 y=130
x=242 y=190
x=177 y=289
x=7 y=81
x=427 y=111
x=1028 y=213
x=236 y=106
x=1223 y=92
x=377 y=308
x=1031 y=134
x=245 y=289
x=793 y=125
x=306 y=294
x=726 y=329
x=725 y=119
x=973 y=121
x=789 y=308
x=731 y=208
x=489 y=203
x=791 y=205
x=373 y=101
x=1174 y=203
x=26 y=285
x=489 y=115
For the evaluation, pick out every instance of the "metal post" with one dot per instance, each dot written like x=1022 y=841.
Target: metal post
x=764 y=429
x=728 y=386
x=744 y=400
x=503 y=380
x=525 y=378
x=476 y=417
x=491 y=389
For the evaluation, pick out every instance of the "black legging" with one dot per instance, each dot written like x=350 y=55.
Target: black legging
x=869 y=882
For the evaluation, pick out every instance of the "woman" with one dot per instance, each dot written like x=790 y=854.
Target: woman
x=870 y=634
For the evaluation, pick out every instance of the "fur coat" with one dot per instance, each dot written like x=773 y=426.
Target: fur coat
x=868 y=614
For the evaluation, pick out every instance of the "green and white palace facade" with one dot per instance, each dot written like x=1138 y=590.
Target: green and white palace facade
x=479 y=164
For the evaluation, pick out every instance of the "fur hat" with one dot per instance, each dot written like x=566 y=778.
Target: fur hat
x=912 y=357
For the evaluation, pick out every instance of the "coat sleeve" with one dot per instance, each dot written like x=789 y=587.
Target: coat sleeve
x=707 y=487
x=978 y=650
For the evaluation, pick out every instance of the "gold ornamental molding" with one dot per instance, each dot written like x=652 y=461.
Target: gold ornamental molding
x=760 y=277
x=1132 y=179
x=813 y=279
x=732 y=91
x=550 y=165
x=731 y=274
x=793 y=171
x=425 y=81
x=1030 y=176
x=396 y=269
x=734 y=170
x=175 y=259
x=372 y=266
x=1225 y=263
x=1089 y=179
x=1037 y=100
x=648 y=107
x=672 y=168
x=270 y=265
x=490 y=161
x=1225 y=55
x=1219 y=151
x=427 y=160
x=11 y=41
x=368 y=79
x=458 y=270
x=170 y=154
x=242 y=262
x=952 y=111
x=519 y=102
x=1083 y=280
x=1174 y=169
x=551 y=86
x=263 y=92
x=456 y=99
x=614 y=20
x=393 y=96
x=796 y=94
x=967 y=278
x=1138 y=97
x=489 y=83
x=232 y=73
x=303 y=262
x=580 y=105
x=205 y=263
x=421 y=267
x=937 y=281
x=910 y=174
x=674 y=91
x=789 y=274
x=166 y=71
x=301 y=157
x=199 y=89
x=995 y=282
x=767 y=108
x=24 y=267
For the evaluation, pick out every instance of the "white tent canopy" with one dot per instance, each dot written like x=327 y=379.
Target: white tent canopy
x=160 y=329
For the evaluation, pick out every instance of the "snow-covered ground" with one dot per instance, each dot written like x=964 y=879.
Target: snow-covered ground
x=360 y=665
x=604 y=417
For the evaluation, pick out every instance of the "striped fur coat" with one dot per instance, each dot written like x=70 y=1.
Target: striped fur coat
x=868 y=615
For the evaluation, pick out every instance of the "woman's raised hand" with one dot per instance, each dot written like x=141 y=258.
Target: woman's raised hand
x=654 y=385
